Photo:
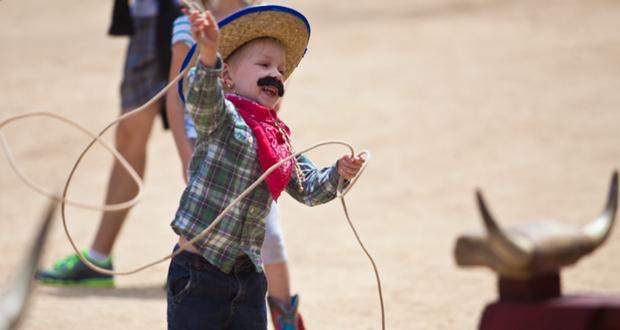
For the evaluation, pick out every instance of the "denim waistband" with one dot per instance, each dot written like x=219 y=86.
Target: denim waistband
x=243 y=264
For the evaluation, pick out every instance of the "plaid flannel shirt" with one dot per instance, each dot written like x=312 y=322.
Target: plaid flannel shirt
x=224 y=164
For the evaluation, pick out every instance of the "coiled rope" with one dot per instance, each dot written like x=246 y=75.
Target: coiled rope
x=96 y=138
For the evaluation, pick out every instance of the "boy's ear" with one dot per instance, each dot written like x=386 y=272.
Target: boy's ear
x=226 y=78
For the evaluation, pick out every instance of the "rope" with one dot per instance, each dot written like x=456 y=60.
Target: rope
x=341 y=193
x=372 y=261
x=56 y=197
x=215 y=222
x=96 y=138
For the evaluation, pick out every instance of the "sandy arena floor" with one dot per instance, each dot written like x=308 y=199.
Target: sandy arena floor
x=520 y=98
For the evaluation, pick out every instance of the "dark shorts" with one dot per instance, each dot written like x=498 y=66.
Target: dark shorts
x=200 y=296
x=140 y=75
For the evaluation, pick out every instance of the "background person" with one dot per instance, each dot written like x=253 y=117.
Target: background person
x=148 y=23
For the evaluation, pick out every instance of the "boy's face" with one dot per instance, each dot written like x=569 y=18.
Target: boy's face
x=260 y=60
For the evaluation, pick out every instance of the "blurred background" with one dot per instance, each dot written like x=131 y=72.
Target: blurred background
x=519 y=98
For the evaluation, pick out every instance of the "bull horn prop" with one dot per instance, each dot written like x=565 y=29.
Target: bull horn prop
x=515 y=250
x=599 y=229
x=15 y=299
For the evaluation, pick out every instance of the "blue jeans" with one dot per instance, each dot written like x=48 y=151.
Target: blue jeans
x=200 y=296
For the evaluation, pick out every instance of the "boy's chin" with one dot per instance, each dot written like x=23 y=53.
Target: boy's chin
x=268 y=103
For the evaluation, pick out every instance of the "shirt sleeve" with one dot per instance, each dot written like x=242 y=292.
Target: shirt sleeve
x=181 y=32
x=319 y=185
x=205 y=98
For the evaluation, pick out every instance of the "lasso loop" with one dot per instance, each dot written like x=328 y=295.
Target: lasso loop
x=96 y=138
x=56 y=197
x=217 y=220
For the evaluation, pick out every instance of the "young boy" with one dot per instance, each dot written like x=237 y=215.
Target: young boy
x=282 y=304
x=218 y=282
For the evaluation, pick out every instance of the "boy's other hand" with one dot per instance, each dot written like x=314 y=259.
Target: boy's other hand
x=207 y=35
x=348 y=166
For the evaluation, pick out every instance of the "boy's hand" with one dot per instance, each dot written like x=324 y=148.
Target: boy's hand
x=207 y=35
x=348 y=166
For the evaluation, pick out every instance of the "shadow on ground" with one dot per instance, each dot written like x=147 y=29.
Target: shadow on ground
x=141 y=292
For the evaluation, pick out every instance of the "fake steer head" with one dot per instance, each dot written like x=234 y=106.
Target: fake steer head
x=529 y=250
x=14 y=301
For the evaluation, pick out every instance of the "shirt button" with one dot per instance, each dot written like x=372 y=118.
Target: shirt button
x=252 y=210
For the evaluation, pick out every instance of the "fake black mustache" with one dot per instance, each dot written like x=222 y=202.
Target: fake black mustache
x=271 y=81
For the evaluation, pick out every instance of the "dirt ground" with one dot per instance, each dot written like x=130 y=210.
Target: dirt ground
x=519 y=98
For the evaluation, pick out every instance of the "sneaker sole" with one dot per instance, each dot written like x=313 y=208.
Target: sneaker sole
x=91 y=283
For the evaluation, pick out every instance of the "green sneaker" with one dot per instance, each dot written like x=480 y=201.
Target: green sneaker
x=71 y=271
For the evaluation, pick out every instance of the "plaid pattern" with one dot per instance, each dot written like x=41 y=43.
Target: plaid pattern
x=224 y=164
x=140 y=75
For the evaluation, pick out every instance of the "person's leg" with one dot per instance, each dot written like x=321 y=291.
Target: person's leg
x=279 y=286
x=283 y=307
x=132 y=136
x=131 y=139
x=274 y=257
x=140 y=83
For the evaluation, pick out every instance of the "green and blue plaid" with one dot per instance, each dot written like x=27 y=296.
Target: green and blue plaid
x=224 y=164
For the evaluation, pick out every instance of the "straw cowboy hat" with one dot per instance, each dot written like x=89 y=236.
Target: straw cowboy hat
x=287 y=25
x=284 y=24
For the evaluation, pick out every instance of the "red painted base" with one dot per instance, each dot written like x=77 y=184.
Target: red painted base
x=563 y=313
x=537 y=288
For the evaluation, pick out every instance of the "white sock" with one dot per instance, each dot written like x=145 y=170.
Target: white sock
x=97 y=256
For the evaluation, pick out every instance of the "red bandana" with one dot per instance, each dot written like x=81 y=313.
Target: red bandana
x=271 y=143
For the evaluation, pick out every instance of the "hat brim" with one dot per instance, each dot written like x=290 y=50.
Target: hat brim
x=282 y=23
